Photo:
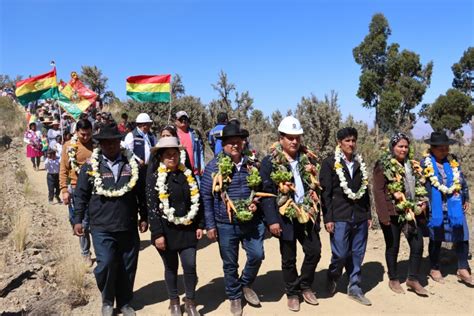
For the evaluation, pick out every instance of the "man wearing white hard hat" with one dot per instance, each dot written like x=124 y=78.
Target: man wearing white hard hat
x=141 y=140
x=291 y=173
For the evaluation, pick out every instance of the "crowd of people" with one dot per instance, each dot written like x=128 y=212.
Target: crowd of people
x=120 y=179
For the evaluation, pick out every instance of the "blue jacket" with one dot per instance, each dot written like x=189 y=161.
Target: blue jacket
x=214 y=142
x=198 y=152
x=214 y=208
x=139 y=143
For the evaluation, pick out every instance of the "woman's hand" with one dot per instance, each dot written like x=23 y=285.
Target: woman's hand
x=199 y=233
x=466 y=207
x=160 y=243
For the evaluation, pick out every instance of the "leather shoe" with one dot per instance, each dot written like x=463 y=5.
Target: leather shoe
x=236 y=307
x=127 y=310
x=465 y=277
x=360 y=298
x=416 y=287
x=395 y=286
x=250 y=296
x=190 y=307
x=175 y=307
x=309 y=297
x=107 y=310
x=437 y=276
x=294 y=303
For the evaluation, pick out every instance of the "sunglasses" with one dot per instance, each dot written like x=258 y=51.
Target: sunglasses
x=183 y=119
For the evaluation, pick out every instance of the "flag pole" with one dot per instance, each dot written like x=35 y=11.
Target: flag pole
x=53 y=63
x=171 y=97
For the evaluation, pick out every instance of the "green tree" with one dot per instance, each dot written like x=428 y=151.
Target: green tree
x=391 y=82
x=177 y=87
x=97 y=82
x=463 y=72
x=276 y=118
x=449 y=111
x=320 y=121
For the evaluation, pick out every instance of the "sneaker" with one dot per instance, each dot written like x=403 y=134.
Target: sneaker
x=359 y=298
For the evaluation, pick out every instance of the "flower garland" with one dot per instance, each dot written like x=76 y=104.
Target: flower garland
x=430 y=174
x=394 y=172
x=162 y=188
x=243 y=208
x=342 y=179
x=99 y=188
x=71 y=152
x=282 y=177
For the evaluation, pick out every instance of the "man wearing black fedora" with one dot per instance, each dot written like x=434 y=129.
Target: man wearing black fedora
x=108 y=186
x=449 y=201
x=225 y=224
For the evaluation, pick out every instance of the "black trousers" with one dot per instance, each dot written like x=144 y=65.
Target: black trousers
x=117 y=259
x=311 y=244
x=188 y=261
x=53 y=186
x=36 y=161
x=391 y=235
x=462 y=252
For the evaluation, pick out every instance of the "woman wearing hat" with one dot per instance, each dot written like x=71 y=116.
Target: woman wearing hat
x=32 y=138
x=53 y=132
x=398 y=180
x=449 y=200
x=176 y=219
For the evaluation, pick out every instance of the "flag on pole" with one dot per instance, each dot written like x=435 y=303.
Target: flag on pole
x=144 y=88
x=75 y=97
x=43 y=86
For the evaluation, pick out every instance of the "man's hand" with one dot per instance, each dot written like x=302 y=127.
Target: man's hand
x=275 y=229
x=143 y=226
x=369 y=223
x=199 y=233
x=78 y=230
x=212 y=234
x=66 y=197
x=160 y=243
x=466 y=207
x=329 y=227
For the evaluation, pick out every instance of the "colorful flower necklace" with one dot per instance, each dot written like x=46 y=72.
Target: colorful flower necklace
x=162 y=188
x=395 y=174
x=98 y=183
x=338 y=156
x=282 y=177
x=430 y=174
x=71 y=152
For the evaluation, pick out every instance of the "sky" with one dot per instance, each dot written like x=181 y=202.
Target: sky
x=279 y=51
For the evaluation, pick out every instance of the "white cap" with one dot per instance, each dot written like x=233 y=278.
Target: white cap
x=181 y=114
x=143 y=118
x=291 y=126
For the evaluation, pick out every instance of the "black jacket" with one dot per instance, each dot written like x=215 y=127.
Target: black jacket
x=270 y=207
x=337 y=207
x=109 y=214
x=176 y=236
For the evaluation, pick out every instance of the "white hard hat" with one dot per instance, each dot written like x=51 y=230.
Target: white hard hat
x=291 y=126
x=143 y=118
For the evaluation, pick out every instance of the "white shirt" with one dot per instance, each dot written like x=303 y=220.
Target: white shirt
x=299 y=193
x=129 y=143
x=350 y=166
x=239 y=165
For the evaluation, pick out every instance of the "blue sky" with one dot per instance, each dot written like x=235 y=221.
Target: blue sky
x=277 y=50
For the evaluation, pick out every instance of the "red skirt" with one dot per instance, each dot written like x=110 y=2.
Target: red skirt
x=31 y=152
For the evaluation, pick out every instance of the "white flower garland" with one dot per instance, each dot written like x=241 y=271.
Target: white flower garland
x=162 y=188
x=71 y=152
x=99 y=188
x=342 y=179
x=430 y=174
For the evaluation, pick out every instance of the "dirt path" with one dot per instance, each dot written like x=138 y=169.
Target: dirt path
x=151 y=298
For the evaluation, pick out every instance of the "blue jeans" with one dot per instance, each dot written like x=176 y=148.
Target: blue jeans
x=117 y=258
x=84 y=241
x=230 y=236
x=348 y=244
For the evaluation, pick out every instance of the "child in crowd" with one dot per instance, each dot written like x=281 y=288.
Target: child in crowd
x=44 y=145
x=51 y=164
x=58 y=146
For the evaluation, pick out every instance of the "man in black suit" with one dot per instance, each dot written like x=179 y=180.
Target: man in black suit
x=346 y=210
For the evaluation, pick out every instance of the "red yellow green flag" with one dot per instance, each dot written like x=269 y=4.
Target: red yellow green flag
x=43 y=86
x=75 y=97
x=145 y=88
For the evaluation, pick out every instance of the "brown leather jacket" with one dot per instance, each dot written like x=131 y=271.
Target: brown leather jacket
x=382 y=198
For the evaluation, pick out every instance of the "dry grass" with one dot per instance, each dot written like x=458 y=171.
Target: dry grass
x=12 y=118
x=20 y=227
x=75 y=276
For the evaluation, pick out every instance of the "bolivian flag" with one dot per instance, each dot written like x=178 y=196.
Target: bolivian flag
x=40 y=87
x=149 y=88
x=75 y=97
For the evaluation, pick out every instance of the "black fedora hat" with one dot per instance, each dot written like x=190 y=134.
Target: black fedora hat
x=439 y=139
x=232 y=130
x=109 y=131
